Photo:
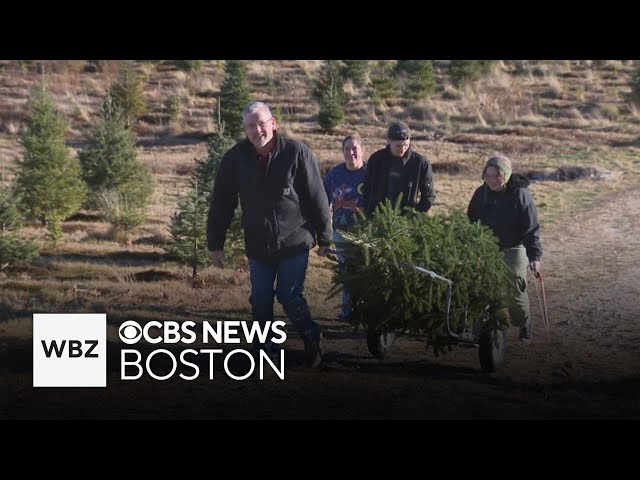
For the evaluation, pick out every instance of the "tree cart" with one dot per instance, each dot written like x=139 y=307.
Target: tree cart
x=480 y=332
x=392 y=290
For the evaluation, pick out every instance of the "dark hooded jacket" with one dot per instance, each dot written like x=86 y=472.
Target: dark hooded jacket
x=415 y=183
x=285 y=210
x=510 y=214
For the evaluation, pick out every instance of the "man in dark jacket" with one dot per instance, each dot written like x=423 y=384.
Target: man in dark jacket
x=285 y=213
x=504 y=204
x=398 y=169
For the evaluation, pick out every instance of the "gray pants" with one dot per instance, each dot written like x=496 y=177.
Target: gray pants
x=519 y=311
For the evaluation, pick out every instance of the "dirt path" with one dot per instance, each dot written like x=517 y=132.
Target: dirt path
x=590 y=368
x=592 y=275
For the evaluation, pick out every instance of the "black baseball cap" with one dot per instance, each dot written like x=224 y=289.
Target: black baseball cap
x=399 y=131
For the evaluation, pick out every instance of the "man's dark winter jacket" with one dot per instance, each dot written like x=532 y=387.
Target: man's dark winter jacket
x=416 y=178
x=285 y=209
x=511 y=214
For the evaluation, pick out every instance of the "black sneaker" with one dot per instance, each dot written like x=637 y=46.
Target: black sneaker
x=525 y=334
x=313 y=351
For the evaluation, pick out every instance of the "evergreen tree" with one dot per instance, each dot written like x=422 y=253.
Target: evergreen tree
x=128 y=94
x=189 y=232
x=464 y=71
x=331 y=112
x=277 y=114
x=48 y=179
x=331 y=82
x=330 y=94
x=206 y=170
x=234 y=96
x=383 y=81
x=13 y=249
x=387 y=293
x=189 y=65
x=10 y=217
x=173 y=106
x=109 y=161
x=356 y=70
x=419 y=82
x=203 y=179
x=382 y=88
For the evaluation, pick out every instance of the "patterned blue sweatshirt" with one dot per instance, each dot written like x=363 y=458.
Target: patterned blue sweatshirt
x=344 y=191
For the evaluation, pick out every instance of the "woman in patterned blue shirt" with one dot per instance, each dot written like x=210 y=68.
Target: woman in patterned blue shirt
x=343 y=185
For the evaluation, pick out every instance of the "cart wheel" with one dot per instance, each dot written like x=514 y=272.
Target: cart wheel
x=491 y=349
x=379 y=342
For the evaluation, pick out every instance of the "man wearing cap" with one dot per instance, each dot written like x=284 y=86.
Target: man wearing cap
x=398 y=169
x=504 y=204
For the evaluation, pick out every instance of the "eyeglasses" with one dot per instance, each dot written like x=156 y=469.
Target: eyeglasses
x=262 y=125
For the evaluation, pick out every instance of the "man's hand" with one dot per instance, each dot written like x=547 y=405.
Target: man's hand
x=217 y=257
x=534 y=265
x=322 y=251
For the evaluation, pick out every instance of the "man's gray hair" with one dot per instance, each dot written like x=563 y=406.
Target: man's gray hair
x=253 y=107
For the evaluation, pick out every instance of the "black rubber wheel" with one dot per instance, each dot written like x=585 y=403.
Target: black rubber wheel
x=379 y=342
x=491 y=350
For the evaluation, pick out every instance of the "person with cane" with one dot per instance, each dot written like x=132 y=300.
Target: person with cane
x=503 y=203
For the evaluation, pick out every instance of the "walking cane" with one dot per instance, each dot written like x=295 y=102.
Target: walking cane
x=543 y=303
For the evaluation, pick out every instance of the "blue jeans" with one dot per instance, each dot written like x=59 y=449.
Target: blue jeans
x=345 y=308
x=290 y=274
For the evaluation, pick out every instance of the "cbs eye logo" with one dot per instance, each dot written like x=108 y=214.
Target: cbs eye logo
x=130 y=332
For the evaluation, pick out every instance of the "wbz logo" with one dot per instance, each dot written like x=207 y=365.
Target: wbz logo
x=75 y=348
x=69 y=350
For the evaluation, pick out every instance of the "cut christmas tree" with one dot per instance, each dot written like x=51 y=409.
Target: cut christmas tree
x=389 y=294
